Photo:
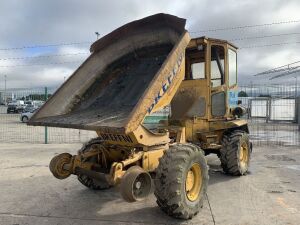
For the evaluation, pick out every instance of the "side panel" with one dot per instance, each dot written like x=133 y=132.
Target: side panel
x=190 y=100
x=140 y=137
x=222 y=125
x=151 y=159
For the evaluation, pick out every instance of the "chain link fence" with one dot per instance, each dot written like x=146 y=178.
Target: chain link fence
x=272 y=117
x=14 y=130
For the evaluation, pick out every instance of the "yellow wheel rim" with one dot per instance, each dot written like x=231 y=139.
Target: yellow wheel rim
x=244 y=153
x=193 y=182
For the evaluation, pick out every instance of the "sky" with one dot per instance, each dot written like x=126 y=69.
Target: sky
x=68 y=28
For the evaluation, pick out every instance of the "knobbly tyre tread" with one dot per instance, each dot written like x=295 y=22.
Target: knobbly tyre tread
x=170 y=180
x=89 y=143
x=85 y=180
x=91 y=183
x=229 y=153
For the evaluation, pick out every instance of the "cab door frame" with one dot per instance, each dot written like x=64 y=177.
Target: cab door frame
x=221 y=88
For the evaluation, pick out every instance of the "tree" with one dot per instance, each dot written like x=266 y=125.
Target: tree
x=265 y=95
x=242 y=94
x=40 y=97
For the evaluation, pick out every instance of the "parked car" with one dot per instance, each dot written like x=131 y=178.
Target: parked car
x=29 y=108
x=33 y=104
x=25 y=116
x=13 y=108
x=28 y=102
x=16 y=106
x=37 y=103
x=18 y=102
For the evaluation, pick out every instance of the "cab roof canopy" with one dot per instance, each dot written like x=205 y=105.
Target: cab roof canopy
x=204 y=39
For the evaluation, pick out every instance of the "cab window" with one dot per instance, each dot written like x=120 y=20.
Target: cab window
x=217 y=65
x=195 y=58
x=232 y=63
x=198 y=70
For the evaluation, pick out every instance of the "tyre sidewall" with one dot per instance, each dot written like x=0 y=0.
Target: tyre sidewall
x=171 y=177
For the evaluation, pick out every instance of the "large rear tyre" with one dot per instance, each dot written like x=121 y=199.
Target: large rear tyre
x=235 y=153
x=85 y=180
x=181 y=181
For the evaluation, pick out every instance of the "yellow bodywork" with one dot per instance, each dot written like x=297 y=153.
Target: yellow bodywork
x=182 y=125
x=201 y=109
x=182 y=95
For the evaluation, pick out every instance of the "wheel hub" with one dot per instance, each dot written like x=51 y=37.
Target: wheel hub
x=57 y=165
x=193 y=182
x=136 y=184
x=244 y=153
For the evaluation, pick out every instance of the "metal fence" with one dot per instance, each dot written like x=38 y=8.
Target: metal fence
x=272 y=113
x=272 y=102
x=272 y=116
x=13 y=130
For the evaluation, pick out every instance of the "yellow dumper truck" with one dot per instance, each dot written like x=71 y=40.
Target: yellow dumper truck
x=140 y=68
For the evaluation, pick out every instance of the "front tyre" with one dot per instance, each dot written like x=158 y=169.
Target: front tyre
x=181 y=181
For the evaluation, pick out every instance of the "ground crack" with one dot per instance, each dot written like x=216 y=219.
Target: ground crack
x=24 y=166
x=212 y=215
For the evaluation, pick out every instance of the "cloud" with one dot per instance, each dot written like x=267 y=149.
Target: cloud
x=34 y=22
x=71 y=50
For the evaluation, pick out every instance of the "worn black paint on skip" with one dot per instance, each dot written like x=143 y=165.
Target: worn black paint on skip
x=116 y=137
x=117 y=89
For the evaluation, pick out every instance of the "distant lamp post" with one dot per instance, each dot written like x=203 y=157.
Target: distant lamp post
x=97 y=34
x=296 y=87
x=4 y=89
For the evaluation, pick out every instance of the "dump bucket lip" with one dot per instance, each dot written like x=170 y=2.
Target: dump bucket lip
x=171 y=21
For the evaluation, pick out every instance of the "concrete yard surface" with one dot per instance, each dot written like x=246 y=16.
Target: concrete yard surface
x=29 y=194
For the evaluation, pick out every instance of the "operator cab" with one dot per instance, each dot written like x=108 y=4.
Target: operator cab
x=200 y=49
x=209 y=90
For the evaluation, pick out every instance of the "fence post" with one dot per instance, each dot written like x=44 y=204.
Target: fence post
x=298 y=111
x=249 y=107
x=46 y=128
x=269 y=105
